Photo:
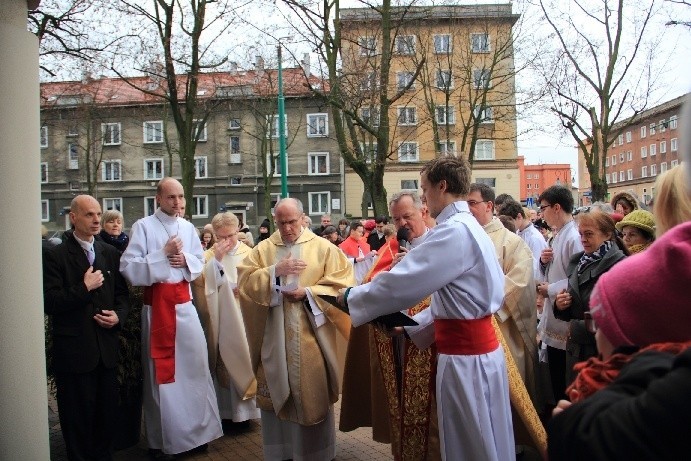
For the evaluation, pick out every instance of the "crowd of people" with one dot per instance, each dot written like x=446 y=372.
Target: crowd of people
x=560 y=329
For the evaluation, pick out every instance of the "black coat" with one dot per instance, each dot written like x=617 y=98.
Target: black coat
x=644 y=414
x=581 y=344
x=375 y=243
x=78 y=341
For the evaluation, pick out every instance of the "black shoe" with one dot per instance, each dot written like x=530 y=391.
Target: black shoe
x=158 y=455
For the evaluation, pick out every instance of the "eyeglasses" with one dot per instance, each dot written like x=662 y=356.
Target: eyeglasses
x=590 y=325
x=544 y=207
x=475 y=202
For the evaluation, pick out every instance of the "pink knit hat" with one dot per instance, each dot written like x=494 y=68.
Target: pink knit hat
x=645 y=298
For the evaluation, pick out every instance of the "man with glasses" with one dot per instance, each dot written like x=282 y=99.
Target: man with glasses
x=556 y=205
x=218 y=305
x=517 y=317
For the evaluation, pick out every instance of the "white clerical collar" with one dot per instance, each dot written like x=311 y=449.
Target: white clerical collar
x=164 y=217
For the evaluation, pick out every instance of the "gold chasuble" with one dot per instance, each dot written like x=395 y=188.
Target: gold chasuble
x=292 y=347
x=408 y=378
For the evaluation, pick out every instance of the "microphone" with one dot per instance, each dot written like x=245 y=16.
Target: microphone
x=402 y=236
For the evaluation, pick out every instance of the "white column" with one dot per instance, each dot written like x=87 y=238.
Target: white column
x=23 y=400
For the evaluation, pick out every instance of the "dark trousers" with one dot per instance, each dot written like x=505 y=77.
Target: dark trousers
x=87 y=405
x=557 y=371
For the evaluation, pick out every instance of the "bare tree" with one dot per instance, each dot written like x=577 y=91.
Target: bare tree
x=600 y=73
x=680 y=22
x=183 y=34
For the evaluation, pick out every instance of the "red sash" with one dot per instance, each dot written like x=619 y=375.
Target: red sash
x=162 y=297
x=465 y=337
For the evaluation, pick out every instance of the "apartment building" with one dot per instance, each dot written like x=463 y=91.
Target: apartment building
x=451 y=71
x=115 y=139
x=642 y=149
x=536 y=178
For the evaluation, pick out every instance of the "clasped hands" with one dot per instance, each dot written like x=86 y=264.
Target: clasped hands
x=291 y=266
x=173 y=251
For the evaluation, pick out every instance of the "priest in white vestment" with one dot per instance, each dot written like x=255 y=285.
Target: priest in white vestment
x=219 y=309
x=292 y=335
x=457 y=264
x=164 y=255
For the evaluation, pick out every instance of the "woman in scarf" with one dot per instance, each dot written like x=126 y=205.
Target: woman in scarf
x=601 y=252
x=112 y=224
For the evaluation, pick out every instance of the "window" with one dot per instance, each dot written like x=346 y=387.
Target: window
x=199 y=130
x=369 y=151
x=403 y=79
x=663 y=147
x=234 y=145
x=445 y=115
x=112 y=204
x=234 y=124
x=607 y=178
x=614 y=160
x=673 y=163
x=629 y=175
x=537 y=186
x=153 y=132
x=44 y=172
x=236 y=180
x=370 y=115
x=673 y=144
x=404 y=44
x=149 y=205
x=484 y=149
x=482 y=114
x=529 y=176
x=442 y=44
x=408 y=184
x=111 y=134
x=673 y=122
x=72 y=129
x=653 y=170
x=644 y=172
x=72 y=156
x=606 y=161
x=447 y=148
x=407 y=116
x=444 y=80
x=621 y=176
x=628 y=136
x=643 y=130
x=653 y=149
x=621 y=157
x=663 y=126
x=111 y=170
x=368 y=46
x=317 y=125
x=317 y=163
x=663 y=167
x=407 y=152
x=614 y=178
x=481 y=79
x=272 y=126
x=274 y=158
x=491 y=182
x=201 y=209
x=44 y=137
x=45 y=212
x=644 y=152
x=529 y=186
x=369 y=82
x=629 y=156
x=200 y=170
x=319 y=202
x=537 y=176
x=620 y=139
x=153 y=168
x=479 y=43
x=652 y=129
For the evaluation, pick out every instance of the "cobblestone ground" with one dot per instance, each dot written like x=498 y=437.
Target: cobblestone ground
x=236 y=445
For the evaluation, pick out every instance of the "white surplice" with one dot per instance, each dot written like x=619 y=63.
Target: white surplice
x=227 y=332
x=181 y=415
x=457 y=264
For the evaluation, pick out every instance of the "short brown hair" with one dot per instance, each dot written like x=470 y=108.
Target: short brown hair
x=455 y=171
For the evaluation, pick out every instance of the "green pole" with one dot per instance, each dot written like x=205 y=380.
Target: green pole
x=282 y=129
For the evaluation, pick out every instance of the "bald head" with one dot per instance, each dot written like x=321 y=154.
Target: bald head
x=171 y=197
x=85 y=216
x=289 y=215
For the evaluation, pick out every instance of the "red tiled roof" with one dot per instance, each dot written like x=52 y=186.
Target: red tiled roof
x=117 y=91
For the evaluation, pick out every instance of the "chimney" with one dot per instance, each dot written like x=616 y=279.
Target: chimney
x=306 y=64
x=233 y=66
x=259 y=63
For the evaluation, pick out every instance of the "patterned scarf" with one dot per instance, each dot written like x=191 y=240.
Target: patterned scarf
x=594 y=256
x=120 y=242
x=633 y=249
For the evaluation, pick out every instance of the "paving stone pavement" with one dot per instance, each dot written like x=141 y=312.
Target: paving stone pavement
x=236 y=445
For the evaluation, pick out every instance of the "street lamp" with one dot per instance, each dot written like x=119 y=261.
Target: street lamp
x=281 y=128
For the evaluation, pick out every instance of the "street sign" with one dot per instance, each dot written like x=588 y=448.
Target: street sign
x=587 y=194
x=529 y=202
